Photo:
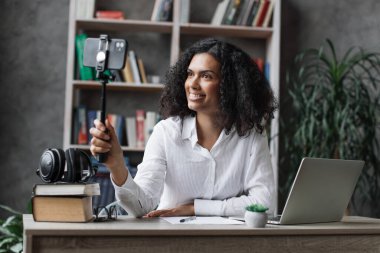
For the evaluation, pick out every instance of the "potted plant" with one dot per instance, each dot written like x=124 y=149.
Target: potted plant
x=11 y=231
x=255 y=216
x=336 y=114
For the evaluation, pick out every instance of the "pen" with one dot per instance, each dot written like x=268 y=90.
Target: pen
x=187 y=219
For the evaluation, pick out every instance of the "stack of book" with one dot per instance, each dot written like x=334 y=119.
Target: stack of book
x=64 y=202
x=257 y=13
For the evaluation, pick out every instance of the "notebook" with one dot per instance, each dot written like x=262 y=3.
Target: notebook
x=320 y=192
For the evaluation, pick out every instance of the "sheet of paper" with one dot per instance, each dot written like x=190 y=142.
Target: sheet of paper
x=210 y=220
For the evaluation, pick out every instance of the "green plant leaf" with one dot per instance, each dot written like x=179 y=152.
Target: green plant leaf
x=336 y=105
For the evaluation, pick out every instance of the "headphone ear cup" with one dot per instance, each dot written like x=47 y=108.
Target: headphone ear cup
x=73 y=165
x=87 y=170
x=52 y=164
x=61 y=161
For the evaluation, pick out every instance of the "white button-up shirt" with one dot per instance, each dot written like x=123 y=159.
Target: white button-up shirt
x=176 y=170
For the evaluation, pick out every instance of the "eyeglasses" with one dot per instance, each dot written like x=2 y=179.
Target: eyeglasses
x=103 y=213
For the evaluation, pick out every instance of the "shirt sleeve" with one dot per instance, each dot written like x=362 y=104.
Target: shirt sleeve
x=258 y=183
x=141 y=195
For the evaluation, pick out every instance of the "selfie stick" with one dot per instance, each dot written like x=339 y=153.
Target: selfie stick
x=101 y=62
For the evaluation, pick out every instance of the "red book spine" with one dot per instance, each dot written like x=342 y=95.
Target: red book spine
x=140 y=120
x=110 y=14
x=263 y=13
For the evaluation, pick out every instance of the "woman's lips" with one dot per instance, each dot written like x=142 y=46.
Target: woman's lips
x=193 y=96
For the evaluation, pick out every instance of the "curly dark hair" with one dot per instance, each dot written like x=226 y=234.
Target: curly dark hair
x=246 y=99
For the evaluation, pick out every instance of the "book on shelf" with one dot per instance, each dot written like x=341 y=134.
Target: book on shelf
x=109 y=14
x=263 y=13
x=85 y=73
x=150 y=122
x=269 y=14
x=245 y=12
x=134 y=66
x=140 y=128
x=62 y=208
x=127 y=71
x=242 y=12
x=162 y=10
x=131 y=131
x=118 y=123
x=219 y=12
x=185 y=11
x=84 y=9
x=80 y=131
x=252 y=12
x=66 y=189
x=260 y=63
x=232 y=12
x=260 y=15
x=91 y=116
x=142 y=70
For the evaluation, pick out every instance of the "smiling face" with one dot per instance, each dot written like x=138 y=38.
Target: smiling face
x=202 y=84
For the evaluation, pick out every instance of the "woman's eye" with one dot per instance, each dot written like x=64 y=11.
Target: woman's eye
x=206 y=76
x=190 y=74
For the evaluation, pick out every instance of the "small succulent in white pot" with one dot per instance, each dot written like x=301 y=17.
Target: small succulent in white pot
x=255 y=216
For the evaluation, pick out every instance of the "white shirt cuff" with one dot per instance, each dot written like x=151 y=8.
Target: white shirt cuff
x=205 y=207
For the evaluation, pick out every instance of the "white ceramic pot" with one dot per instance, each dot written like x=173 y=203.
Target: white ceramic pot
x=255 y=219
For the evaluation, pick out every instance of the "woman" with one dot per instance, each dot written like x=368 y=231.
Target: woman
x=209 y=156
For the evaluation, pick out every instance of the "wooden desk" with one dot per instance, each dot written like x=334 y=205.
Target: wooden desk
x=354 y=234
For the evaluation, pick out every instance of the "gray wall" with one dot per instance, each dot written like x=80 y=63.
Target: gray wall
x=33 y=49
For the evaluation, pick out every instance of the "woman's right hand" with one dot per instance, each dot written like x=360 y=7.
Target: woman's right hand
x=106 y=142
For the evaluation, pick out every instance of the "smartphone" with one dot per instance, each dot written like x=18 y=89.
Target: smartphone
x=117 y=49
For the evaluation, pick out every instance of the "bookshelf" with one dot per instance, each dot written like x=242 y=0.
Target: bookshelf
x=168 y=39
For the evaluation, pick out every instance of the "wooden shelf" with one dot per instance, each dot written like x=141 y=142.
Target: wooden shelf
x=226 y=30
x=106 y=25
x=118 y=86
x=124 y=148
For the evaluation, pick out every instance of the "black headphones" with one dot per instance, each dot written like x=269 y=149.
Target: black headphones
x=52 y=166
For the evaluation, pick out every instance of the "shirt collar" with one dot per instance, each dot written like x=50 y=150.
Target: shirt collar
x=189 y=130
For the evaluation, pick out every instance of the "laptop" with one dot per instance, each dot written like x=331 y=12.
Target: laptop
x=320 y=192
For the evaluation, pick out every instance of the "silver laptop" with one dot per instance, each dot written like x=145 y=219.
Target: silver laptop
x=320 y=192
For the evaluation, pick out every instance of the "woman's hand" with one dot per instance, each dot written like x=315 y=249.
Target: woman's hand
x=184 y=210
x=106 y=142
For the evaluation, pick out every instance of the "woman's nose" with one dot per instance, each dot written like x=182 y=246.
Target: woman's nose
x=194 y=83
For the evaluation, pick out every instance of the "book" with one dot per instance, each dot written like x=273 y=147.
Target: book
x=108 y=14
x=155 y=11
x=90 y=8
x=140 y=128
x=84 y=9
x=269 y=14
x=118 y=123
x=219 y=12
x=243 y=9
x=131 y=131
x=62 y=208
x=260 y=13
x=166 y=11
x=91 y=116
x=82 y=137
x=66 y=189
x=134 y=66
x=246 y=11
x=253 y=12
x=150 y=122
x=127 y=71
x=185 y=11
x=85 y=73
x=232 y=12
x=142 y=70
